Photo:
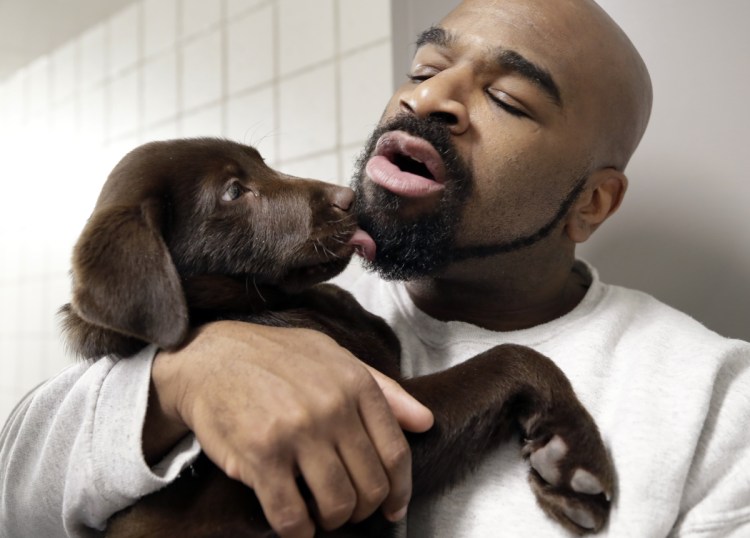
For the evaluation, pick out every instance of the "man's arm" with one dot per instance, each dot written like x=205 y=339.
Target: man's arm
x=267 y=403
x=100 y=435
x=71 y=454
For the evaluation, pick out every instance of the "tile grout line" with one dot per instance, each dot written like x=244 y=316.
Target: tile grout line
x=224 y=37
x=141 y=66
x=338 y=90
x=179 y=70
x=276 y=81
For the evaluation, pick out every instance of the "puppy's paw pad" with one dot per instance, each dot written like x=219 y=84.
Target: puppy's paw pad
x=586 y=483
x=572 y=475
x=581 y=517
x=579 y=513
x=546 y=460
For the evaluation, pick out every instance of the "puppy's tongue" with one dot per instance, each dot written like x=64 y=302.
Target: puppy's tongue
x=363 y=244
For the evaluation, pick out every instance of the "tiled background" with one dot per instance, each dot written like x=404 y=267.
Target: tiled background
x=304 y=81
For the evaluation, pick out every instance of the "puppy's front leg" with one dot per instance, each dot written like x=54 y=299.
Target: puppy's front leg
x=483 y=401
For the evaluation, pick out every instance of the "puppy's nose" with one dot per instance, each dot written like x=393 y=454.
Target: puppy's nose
x=342 y=197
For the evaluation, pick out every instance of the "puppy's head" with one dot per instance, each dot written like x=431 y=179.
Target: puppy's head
x=185 y=208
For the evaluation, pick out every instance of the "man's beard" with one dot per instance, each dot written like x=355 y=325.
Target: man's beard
x=422 y=246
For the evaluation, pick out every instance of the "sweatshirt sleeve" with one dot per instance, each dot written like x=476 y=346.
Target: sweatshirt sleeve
x=70 y=453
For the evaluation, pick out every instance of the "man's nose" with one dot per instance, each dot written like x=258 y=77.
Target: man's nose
x=443 y=97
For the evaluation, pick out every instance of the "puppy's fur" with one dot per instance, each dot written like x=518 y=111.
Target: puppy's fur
x=187 y=231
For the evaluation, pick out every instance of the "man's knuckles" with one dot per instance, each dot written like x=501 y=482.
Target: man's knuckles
x=396 y=456
x=291 y=522
x=335 y=513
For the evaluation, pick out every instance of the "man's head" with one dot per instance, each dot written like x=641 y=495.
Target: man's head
x=534 y=108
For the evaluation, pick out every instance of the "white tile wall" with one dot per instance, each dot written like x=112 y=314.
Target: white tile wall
x=160 y=88
x=38 y=87
x=236 y=7
x=254 y=70
x=203 y=122
x=347 y=158
x=202 y=70
x=323 y=167
x=361 y=22
x=123 y=40
x=64 y=72
x=124 y=104
x=251 y=119
x=308 y=112
x=250 y=53
x=91 y=116
x=363 y=82
x=159 y=26
x=92 y=52
x=199 y=16
x=306 y=33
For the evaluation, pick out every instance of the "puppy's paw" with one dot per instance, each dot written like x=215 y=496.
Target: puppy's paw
x=571 y=473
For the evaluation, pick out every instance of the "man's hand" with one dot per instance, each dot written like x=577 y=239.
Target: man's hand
x=269 y=404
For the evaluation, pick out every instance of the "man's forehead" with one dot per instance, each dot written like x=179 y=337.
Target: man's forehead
x=500 y=15
x=488 y=25
x=543 y=28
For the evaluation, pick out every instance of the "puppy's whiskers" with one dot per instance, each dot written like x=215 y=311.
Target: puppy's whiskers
x=257 y=290
x=340 y=237
x=342 y=219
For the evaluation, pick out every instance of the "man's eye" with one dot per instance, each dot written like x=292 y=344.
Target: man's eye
x=416 y=79
x=510 y=109
x=422 y=72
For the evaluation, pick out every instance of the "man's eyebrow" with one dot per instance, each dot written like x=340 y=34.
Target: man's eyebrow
x=509 y=60
x=513 y=61
x=435 y=35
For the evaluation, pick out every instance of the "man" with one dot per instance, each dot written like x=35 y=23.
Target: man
x=524 y=114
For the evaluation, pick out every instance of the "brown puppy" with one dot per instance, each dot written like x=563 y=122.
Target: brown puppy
x=187 y=231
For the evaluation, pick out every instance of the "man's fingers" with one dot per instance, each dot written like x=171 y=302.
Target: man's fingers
x=392 y=449
x=330 y=485
x=350 y=450
x=409 y=412
x=367 y=474
x=283 y=506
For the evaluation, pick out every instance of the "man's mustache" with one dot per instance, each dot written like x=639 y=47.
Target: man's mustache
x=435 y=131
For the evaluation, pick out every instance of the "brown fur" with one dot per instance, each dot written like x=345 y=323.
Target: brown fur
x=163 y=252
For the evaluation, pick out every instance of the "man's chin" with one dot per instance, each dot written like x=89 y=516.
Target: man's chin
x=402 y=271
x=407 y=250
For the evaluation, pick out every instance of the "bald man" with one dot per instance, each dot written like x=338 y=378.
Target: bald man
x=524 y=114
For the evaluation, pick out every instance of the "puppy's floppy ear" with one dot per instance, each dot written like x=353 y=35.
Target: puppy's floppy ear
x=124 y=278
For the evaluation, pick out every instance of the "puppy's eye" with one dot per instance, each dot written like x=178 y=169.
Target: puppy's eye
x=233 y=191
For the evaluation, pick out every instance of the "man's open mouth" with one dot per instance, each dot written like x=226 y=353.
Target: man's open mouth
x=406 y=165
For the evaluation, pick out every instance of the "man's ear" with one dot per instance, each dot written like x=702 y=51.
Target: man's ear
x=602 y=196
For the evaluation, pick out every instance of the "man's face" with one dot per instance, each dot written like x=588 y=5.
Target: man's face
x=505 y=152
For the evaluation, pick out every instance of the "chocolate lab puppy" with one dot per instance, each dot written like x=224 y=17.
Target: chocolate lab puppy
x=188 y=231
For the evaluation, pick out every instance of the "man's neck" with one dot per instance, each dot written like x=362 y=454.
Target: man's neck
x=501 y=298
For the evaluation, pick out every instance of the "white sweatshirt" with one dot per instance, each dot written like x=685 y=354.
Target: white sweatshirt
x=671 y=398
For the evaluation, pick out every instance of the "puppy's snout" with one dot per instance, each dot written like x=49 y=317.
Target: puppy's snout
x=342 y=198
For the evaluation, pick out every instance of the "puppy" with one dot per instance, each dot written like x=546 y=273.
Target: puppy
x=188 y=231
